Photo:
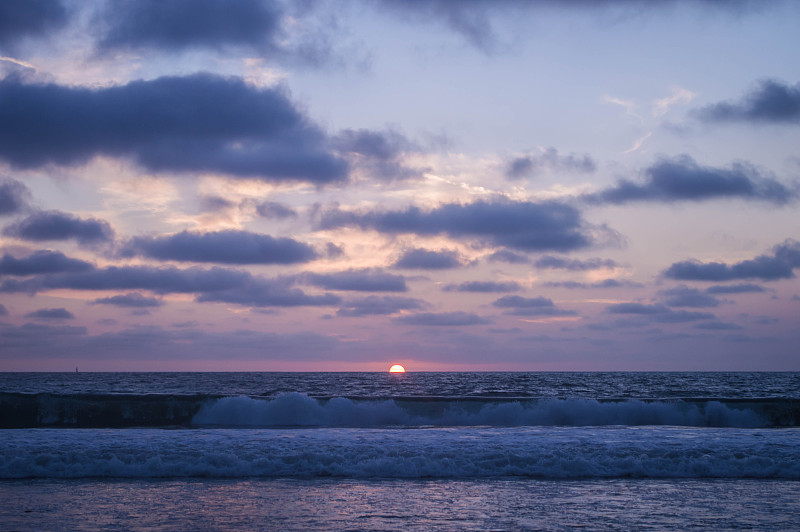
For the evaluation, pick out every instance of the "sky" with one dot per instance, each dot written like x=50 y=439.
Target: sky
x=263 y=185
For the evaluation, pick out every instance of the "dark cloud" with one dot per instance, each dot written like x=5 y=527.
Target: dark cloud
x=29 y=18
x=155 y=343
x=214 y=285
x=366 y=280
x=779 y=265
x=159 y=280
x=683 y=296
x=210 y=285
x=425 y=259
x=225 y=247
x=34 y=339
x=659 y=313
x=718 y=326
x=269 y=293
x=332 y=251
x=14 y=195
x=183 y=24
x=682 y=179
x=551 y=160
x=483 y=286
x=770 y=102
x=443 y=319
x=132 y=300
x=735 y=289
x=215 y=204
x=3 y=310
x=521 y=225
x=260 y=27
x=378 y=153
x=197 y=123
x=561 y=263
x=42 y=262
x=510 y=257
x=275 y=210
x=379 y=305
x=605 y=283
x=530 y=306
x=51 y=314
x=56 y=225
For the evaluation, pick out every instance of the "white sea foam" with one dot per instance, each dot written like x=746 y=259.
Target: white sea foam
x=540 y=452
x=294 y=409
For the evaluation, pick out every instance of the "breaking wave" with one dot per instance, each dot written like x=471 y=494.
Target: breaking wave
x=300 y=410
x=535 y=452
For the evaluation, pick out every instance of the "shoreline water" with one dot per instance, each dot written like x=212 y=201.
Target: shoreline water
x=335 y=504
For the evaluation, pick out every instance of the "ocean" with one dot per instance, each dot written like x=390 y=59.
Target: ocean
x=413 y=451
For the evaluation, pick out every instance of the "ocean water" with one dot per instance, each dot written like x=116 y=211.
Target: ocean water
x=415 y=451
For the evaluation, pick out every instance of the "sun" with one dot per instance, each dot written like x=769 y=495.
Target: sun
x=397 y=368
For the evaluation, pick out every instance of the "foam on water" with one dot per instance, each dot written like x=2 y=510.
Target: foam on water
x=538 y=452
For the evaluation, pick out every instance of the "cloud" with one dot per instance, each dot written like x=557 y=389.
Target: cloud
x=260 y=27
x=718 y=326
x=14 y=195
x=531 y=306
x=425 y=259
x=561 y=263
x=605 y=283
x=225 y=247
x=365 y=280
x=3 y=310
x=196 y=123
x=658 y=312
x=442 y=319
x=483 y=286
x=215 y=204
x=182 y=24
x=473 y=19
x=520 y=225
x=132 y=300
x=30 y=18
x=42 y=262
x=379 y=305
x=509 y=257
x=683 y=296
x=159 y=280
x=771 y=102
x=56 y=225
x=779 y=265
x=209 y=285
x=531 y=165
x=275 y=210
x=378 y=153
x=682 y=179
x=155 y=343
x=735 y=289
x=259 y=292
x=51 y=314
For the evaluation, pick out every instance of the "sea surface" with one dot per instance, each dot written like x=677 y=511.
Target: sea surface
x=413 y=451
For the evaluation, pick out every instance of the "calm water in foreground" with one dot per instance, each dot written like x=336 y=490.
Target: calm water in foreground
x=427 y=451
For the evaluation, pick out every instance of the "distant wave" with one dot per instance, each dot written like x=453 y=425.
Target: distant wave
x=534 y=452
x=300 y=410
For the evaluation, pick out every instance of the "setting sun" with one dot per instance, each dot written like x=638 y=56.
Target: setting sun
x=397 y=368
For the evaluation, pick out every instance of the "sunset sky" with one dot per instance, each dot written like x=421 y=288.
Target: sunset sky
x=447 y=185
